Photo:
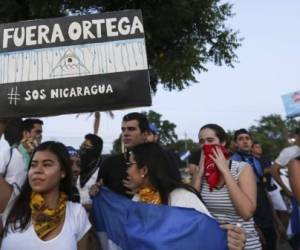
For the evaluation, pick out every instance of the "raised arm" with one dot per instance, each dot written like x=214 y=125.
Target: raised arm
x=243 y=192
x=275 y=171
x=244 y=197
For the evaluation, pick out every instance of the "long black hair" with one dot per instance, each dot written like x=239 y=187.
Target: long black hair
x=156 y=160
x=20 y=213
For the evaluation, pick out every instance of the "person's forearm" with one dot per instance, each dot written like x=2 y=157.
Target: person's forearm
x=275 y=171
x=242 y=203
x=5 y=194
x=197 y=181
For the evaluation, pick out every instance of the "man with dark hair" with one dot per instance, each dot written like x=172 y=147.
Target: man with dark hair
x=141 y=119
x=33 y=129
x=23 y=137
x=135 y=130
x=113 y=170
x=90 y=161
x=263 y=217
x=257 y=151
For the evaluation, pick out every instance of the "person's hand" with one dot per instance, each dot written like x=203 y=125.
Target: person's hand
x=29 y=145
x=129 y=185
x=94 y=189
x=220 y=160
x=236 y=236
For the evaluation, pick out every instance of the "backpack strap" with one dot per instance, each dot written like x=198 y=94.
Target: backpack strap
x=10 y=156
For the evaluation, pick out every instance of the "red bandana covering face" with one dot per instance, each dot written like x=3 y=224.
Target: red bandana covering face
x=211 y=172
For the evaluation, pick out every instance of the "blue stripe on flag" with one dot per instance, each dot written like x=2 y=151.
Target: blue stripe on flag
x=131 y=225
x=185 y=155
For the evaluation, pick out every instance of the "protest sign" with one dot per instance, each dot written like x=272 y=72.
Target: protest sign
x=291 y=102
x=73 y=64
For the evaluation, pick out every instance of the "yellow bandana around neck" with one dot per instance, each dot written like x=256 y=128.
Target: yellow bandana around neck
x=149 y=195
x=45 y=219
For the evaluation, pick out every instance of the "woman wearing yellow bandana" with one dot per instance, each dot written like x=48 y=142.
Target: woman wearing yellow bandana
x=43 y=217
x=149 y=174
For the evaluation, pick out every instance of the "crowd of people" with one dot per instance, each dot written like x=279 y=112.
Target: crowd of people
x=47 y=188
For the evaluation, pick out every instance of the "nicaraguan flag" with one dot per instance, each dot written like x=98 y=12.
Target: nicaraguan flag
x=122 y=224
x=185 y=155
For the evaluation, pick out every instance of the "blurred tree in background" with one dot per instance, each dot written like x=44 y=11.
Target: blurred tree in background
x=166 y=128
x=182 y=36
x=274 y=133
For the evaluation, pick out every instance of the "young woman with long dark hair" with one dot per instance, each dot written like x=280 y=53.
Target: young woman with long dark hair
x=227 y=187
x=149 y=174
x=43 y=217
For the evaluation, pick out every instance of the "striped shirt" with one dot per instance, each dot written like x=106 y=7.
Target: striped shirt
x=220 y=206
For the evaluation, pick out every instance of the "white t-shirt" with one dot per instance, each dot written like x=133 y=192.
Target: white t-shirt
x=16 y=175
x=287 y=154
x=84 y=191
x=75 y=226
x=284 y=157
x=17 y=169
x=181 y=197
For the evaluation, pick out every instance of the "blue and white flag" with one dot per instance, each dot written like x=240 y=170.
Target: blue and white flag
x=122 y=224
x=185 y=155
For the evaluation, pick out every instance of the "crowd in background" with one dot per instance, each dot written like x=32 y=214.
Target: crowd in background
x=46 y=188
